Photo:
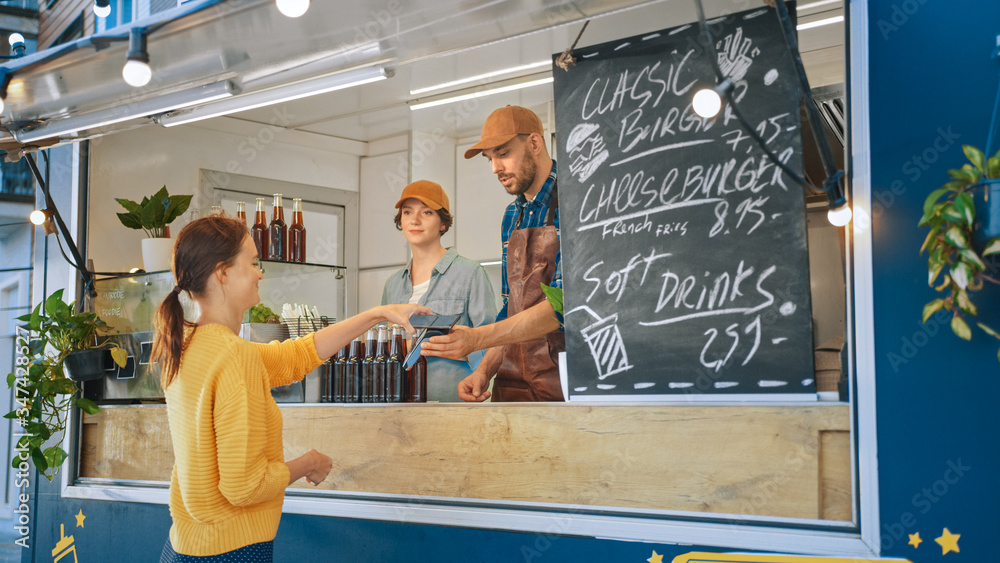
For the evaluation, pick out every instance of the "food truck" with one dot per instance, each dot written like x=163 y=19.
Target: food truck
x=745 y=380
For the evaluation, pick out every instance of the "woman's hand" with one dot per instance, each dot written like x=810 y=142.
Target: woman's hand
x=400 y=314
x=312 y=465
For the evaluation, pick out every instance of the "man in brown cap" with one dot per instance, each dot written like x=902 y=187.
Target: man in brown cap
x=525 y=341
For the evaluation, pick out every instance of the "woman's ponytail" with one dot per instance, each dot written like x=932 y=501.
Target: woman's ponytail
x=169 y=342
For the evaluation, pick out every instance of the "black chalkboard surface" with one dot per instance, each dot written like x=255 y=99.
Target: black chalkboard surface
x=685 y=265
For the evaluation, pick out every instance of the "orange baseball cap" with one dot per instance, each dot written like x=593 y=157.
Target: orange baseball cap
x=430 y=193
x=503 y=125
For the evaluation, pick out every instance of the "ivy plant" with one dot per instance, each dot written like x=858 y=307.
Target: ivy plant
x=41 y=391
x=953 y=259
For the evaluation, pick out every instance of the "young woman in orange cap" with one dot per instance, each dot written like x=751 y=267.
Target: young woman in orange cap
x=439 y=278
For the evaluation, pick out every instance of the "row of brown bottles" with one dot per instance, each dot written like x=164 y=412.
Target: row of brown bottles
x=276 y=240
x=370 y=370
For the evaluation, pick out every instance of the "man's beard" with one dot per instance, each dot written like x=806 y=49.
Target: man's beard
x=523 y=178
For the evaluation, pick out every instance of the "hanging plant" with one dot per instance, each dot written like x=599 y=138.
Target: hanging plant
x=950 y=213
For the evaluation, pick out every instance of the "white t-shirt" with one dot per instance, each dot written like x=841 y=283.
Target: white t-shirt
x=419 y=291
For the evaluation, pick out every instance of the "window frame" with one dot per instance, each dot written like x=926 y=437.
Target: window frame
x=860 y=538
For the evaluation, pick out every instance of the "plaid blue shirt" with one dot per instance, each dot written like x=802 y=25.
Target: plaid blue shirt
x=533 y=215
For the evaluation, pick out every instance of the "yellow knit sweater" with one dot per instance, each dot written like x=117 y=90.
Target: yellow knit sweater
x=229 y=475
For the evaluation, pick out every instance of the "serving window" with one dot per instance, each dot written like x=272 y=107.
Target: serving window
x=619 y=468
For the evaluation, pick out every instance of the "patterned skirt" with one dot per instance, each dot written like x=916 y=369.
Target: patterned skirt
x=257 y=553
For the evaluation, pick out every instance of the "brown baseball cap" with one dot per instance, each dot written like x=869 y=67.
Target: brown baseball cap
x=430 y=193
x=503 y=125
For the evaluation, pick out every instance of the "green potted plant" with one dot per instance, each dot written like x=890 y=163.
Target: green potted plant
x=959 y=220
x=152 y=215
x=60 y=341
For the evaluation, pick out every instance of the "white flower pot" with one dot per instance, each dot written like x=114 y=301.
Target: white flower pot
x=156 y=254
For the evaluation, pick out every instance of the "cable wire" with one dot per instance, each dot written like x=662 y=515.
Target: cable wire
x=714 y=56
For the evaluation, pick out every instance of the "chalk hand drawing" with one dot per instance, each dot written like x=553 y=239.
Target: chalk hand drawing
x=607 y=348
x=586 y=149
x=735 y=52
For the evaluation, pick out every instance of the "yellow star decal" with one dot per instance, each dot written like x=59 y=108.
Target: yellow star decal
x=948 y=541
x=915 y=540
x=656 y=558
x=79 y=519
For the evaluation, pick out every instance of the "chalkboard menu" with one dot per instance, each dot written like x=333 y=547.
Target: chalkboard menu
x=685 y=264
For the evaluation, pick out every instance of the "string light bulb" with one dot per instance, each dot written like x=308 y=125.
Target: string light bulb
x=840 y=216
x=293 y=8
x=708 y=101
x=37 y=217
x=102 y=8
x=136 y=71
x=838 y=212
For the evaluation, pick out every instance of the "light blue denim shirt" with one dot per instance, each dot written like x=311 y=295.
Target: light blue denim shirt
x=458 y=286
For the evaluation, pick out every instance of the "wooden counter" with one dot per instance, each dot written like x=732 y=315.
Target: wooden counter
x=783 y=461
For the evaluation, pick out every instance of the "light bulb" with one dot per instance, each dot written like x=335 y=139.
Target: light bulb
x=37 y=217
x=706 y=103
x=15 y=38
x=840 y=216
x=102 y=11
x=137 y=73
x=293 y=8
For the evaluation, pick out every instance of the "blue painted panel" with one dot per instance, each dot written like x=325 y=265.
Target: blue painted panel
x=932 y=89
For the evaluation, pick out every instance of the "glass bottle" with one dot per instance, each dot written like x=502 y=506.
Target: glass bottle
x=297 y=234
x=338 y=365
x=326 y=381
x=368 y=392
x=241 y=212
x=352 y=371
x=416 y=382
x=278 y=232
x=259 y=231
x=395 y=379
x=379 y=379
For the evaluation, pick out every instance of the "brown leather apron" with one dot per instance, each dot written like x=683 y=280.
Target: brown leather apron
x=529 y=370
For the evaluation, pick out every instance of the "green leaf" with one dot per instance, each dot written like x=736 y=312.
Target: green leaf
x=993 y=166
x=975 y=156
x=961 y=273
x=960 y=328
x=555 y=297
x=952 y=214
x=87 y=406
x=129 y=205
x=966 y=207
x=932 y=273
x=41 y=464
x=178 y=205
x=956 y=237
x=55 y=456
x=988 y=330
x=992 y=247
x=130 y=220
x=929 y=239
x=931 y=200
x=972 y=258
x=966 y=304
x=931 y=308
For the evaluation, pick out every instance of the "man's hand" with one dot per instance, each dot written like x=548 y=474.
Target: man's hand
x=473 y=389
x=455 y=345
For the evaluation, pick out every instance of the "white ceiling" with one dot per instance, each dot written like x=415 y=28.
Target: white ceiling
x=380 y=110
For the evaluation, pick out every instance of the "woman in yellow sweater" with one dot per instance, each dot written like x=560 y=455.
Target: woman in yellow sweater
x=229 y=475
